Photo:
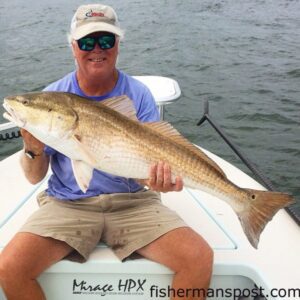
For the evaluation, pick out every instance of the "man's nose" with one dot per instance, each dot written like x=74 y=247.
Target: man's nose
x=97 y=48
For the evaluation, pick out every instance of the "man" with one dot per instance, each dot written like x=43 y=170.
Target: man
x=69 y=223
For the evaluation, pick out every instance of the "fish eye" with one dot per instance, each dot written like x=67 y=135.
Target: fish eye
x=24 y=101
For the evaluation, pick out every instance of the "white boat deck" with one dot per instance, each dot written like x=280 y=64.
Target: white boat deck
x=275 y=265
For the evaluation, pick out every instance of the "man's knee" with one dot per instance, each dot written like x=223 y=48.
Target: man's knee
x=4 y=272
x=196 y=255
x=201 y=255
x=1 y=270
x=12 y=269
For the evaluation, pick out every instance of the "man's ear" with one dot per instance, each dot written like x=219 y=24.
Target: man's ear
x=72 y=48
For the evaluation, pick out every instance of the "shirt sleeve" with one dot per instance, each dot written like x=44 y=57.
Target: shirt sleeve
x=148 y=111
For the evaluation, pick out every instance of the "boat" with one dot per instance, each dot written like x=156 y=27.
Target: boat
x=240 y=272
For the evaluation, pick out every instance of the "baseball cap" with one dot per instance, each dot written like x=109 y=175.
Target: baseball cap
x=92 y=18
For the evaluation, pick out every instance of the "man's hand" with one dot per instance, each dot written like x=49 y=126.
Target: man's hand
x=160 y=179
x=31 y=143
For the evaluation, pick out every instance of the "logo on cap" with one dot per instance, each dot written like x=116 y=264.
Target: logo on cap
x=94 y=14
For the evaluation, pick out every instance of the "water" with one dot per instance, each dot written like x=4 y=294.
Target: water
x=242 y=56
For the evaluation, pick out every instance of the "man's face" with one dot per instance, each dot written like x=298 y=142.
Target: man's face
x=97 y=62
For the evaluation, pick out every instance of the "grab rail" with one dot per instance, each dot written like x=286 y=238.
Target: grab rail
x=8 y=135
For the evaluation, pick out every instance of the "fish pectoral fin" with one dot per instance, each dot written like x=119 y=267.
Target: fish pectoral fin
x=83 y=174
x=84 y=153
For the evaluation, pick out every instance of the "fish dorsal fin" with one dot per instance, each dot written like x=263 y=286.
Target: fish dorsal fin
x=121 y=104
x=168 y=130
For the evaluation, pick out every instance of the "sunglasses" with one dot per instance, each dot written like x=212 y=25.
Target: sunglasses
x=106 y=41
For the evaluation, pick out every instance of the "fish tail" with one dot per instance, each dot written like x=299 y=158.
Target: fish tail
x=261 y=209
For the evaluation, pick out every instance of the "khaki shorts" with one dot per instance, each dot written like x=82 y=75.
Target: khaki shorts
x=125 y=222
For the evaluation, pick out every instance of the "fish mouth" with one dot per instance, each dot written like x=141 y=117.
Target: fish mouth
x=12 y=116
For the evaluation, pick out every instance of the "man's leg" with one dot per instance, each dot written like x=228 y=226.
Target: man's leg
x=188 y=255
x=25 y=257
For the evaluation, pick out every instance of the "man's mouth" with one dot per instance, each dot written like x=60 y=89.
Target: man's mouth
x=97 y=59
